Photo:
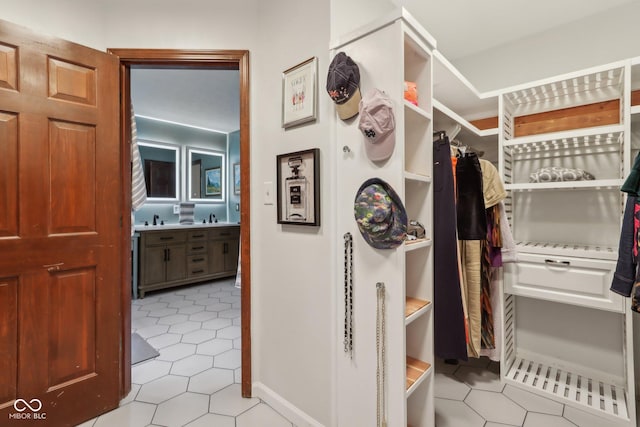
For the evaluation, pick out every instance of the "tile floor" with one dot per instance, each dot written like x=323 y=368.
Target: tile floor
x=470 y=395
x=195 y=381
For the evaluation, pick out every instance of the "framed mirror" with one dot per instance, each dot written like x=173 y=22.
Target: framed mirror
x=206 y=175
x=161 y=170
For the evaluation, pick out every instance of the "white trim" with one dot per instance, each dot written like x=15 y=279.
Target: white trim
x=183 y=124
x=284 y=407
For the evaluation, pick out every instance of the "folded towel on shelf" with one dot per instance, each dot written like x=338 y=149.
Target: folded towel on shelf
x=558 y=174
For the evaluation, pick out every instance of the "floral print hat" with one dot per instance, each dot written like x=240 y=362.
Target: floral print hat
x=380 y=214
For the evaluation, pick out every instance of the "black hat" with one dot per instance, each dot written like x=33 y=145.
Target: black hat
x=343 y=80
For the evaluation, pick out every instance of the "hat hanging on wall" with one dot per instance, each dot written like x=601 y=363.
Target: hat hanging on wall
x=378 y=125
x=343 y=81
x=380 y=214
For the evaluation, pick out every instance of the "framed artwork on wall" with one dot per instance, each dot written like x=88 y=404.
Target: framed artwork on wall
x=298 y=187
x=236 y=178
x=213 y=181
x=299 y=93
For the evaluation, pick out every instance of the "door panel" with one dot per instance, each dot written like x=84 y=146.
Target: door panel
x=8 y=339
x=60 y=178
x=8 y=173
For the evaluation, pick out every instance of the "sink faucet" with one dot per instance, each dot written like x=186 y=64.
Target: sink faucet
x=155 y=218
x=212 y=218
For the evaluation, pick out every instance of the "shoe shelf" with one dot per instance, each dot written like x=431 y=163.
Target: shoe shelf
x=417 y=372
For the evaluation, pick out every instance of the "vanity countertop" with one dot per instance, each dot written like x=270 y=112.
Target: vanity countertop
x=175 y=226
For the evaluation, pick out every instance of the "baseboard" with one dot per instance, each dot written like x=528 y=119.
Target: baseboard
x=284 y=407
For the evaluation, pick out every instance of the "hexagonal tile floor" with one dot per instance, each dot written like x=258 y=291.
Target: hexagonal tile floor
x=471 y=394
x=195 y=379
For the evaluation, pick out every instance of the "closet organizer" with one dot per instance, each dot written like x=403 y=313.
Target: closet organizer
x=563 y=147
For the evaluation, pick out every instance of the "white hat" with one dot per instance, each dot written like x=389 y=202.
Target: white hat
x=378 y=125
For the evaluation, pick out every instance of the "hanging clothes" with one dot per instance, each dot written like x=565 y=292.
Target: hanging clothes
x=138 y=187
x=470 y=208
x=449 y=322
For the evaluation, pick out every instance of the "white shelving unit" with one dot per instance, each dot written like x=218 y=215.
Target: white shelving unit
x=406 y=271
x=567 y=336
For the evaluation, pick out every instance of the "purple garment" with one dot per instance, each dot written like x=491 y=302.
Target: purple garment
x=495 y=252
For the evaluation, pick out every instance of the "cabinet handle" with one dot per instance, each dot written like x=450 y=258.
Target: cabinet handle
x=196 y=248
x=557 y=262
x=197 y=260
x=197 y=271
x=226 y=234
x=195 y=236
x=165 y=255
x=168 y=254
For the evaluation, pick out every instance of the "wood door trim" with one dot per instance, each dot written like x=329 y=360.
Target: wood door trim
x=197 y=59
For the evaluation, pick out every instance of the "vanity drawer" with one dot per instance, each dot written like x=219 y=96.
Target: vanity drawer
x=224 y=232
x=577 y=281
x=164 y=237
x=196 y=247
x=197 y=236
x=197 y=265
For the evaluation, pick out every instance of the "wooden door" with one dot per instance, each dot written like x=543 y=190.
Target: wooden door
x=60 y=232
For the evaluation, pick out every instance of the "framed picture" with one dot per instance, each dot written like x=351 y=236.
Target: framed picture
x=236 y=178
x=213 y=181
x=299 y=93
x=298 y=187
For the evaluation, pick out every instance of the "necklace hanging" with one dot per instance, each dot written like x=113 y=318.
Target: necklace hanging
x=348 y=294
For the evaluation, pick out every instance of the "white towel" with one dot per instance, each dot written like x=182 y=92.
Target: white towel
x=138 y=187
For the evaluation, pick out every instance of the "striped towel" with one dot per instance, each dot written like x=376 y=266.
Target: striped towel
x=138 y=187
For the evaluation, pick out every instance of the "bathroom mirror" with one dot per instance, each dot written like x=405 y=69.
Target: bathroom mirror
x=207 y=175
x=160 y=163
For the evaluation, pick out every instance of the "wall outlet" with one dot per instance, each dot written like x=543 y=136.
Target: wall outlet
x=176 y=209
x=237 y=207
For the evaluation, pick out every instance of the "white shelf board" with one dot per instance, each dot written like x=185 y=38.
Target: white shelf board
x=437 y=105
x=591 y=184
x=635 y=110
x=461 y=95
x=555 y=382
x=416 y=177
x=412 y=245
x=417 y=314
x=568 y=250
x=419 y=381
x=417 y=110
x=566 y=135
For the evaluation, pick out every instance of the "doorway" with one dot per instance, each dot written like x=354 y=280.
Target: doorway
x=199 y=59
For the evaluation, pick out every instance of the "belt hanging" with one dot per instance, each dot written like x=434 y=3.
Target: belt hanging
x=381 y=356
x=348 y=294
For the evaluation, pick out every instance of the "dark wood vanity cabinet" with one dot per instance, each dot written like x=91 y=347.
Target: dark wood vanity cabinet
x=173 y=257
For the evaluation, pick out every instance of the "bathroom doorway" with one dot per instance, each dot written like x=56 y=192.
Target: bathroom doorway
x=193 y=60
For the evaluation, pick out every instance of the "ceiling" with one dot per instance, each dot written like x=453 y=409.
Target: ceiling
x=205 y=98
x=210 y=98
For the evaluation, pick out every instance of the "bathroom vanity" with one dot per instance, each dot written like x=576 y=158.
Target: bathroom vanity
x=175 y=255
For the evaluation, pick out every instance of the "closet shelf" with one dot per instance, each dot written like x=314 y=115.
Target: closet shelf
x=424 y=114
x=595 y=396
x=417 y=372
x=570 y=250
x=587 y=137
x=567 y=185
x=600 y=84
x=412 y=245
x=446 y=117
x=416 y=177
x=635 y=110
x=414 y=308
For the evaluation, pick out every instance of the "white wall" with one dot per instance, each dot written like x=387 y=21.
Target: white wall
x=349 y=15
x=607 y=37
x=293 y=310
x=293 y=268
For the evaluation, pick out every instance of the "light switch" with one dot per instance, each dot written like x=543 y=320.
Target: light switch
x=268 y=192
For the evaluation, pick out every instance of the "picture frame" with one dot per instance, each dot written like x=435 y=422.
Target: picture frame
x=236 y=178
x=298 y=187
x=299 y=93
x=213 y=181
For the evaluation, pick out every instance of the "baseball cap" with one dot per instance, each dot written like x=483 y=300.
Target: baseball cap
x=377 y=123
x=380 y=214
x=343 y=82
